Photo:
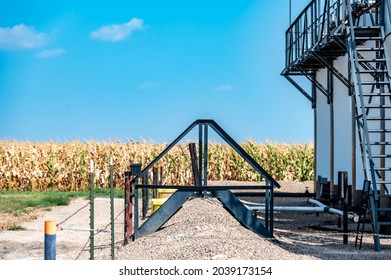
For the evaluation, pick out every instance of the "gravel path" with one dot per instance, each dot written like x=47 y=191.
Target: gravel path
x=202 y=229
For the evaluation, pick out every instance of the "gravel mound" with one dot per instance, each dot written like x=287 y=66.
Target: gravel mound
x=201 y=230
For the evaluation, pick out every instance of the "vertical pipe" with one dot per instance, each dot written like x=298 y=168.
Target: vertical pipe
x=267 y=205
x=314 y=99
x=200 y=153
x=50 y=240
x=343 y=196
x=205 y=154
x=316 y=25
x=331 y=104
x=382 y=13
x=92 y=233
x=271 y=210
x=112 y=208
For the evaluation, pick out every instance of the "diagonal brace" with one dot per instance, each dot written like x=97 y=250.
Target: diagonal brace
x=298 y=87
x=338 y=74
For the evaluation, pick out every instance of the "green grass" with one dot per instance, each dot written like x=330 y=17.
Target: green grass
x=19 y=203
x=15 y=227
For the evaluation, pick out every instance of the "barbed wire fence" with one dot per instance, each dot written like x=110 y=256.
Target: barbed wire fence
x=117 y=236
x=105 y=242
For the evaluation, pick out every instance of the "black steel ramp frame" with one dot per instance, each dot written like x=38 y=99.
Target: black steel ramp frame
x=262 y=227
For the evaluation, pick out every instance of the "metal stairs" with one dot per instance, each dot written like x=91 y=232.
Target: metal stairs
x=372 y=95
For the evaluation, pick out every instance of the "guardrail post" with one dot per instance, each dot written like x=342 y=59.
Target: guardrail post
x=50 y=240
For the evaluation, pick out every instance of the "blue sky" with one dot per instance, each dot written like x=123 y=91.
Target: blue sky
x=101 y=70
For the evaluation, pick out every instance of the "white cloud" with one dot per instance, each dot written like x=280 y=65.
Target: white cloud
x=225 y=88
x=51 y=53
x=147 y=85
x=117 y=32
x=21 y=37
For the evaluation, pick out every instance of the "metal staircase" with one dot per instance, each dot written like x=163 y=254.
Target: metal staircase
x=369 y=60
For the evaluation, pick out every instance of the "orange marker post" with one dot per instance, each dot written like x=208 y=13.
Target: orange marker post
x=50 y=240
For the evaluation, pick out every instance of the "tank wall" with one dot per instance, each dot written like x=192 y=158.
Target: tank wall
x=342 y=123
x=343 y=129
x=322 y=129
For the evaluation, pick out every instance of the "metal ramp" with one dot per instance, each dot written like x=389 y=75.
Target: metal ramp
x=369 y=59
x=262 y=227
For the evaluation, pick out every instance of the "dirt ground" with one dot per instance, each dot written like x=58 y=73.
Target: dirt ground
x=202 y=229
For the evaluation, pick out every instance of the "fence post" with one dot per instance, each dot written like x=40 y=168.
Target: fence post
x=194 y=162
x=50 y=240
x=92 y=232
x=112 y=207
x=128 y=213
x=155 y=175
x=145 y=196
x=135 y=170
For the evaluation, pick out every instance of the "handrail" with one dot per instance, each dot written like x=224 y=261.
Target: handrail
x=314 y=25
x=301 y=14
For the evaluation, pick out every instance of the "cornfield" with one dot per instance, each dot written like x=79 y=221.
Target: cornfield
x=65 y=166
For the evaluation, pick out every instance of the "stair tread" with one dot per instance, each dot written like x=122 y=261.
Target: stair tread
x=371 y=59
x=366 y=27
x=378 y=119
x=381 y=156
x=376 y=94
x=370 y=49
x=379 y=131
x=380 y=143
x=368 y=38
x=375 y=82
x=385 y=237
x=373 y=71
x=377 y=106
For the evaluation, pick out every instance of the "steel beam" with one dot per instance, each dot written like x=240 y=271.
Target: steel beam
x=240 y=212
x=163 y=213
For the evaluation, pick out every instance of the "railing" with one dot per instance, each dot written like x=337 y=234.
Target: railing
x=319 y=20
